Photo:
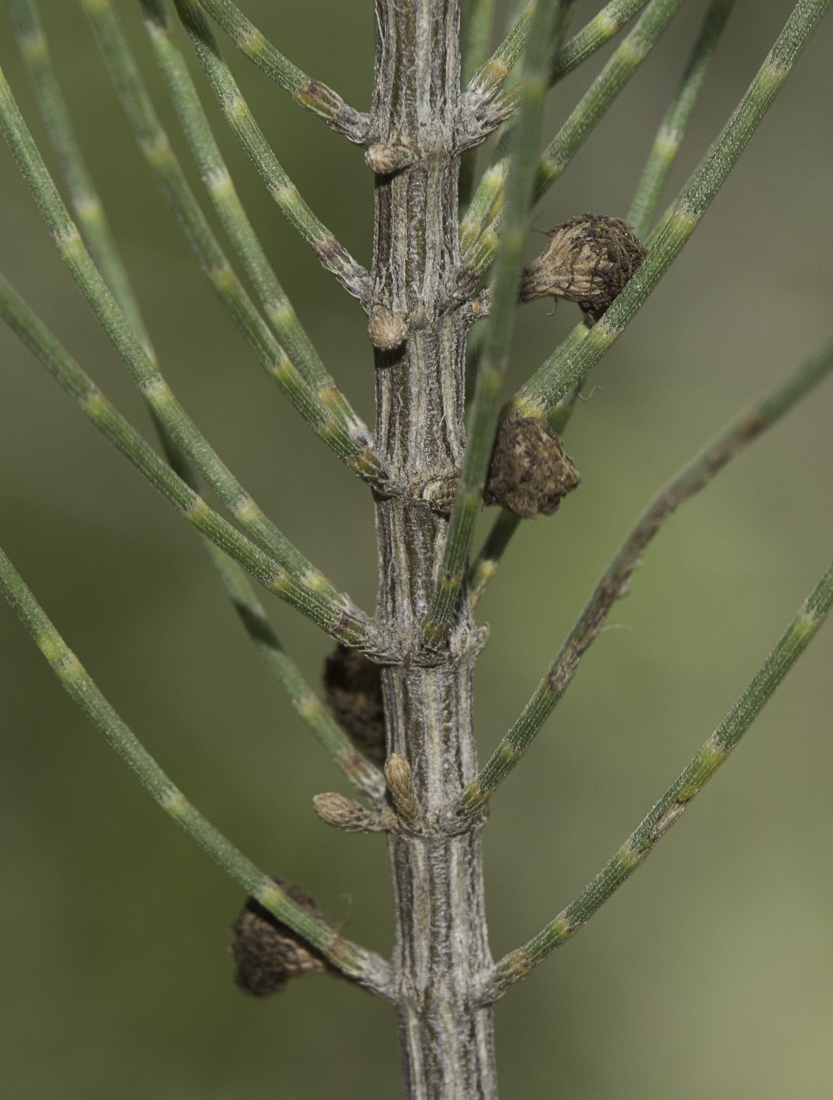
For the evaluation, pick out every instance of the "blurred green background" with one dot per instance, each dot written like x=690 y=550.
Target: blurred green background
x=711 y=971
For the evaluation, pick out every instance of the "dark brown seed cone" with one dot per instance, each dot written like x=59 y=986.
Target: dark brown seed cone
x=589 y=260
x=529 y=471
x=354 y=691
x=267 y=953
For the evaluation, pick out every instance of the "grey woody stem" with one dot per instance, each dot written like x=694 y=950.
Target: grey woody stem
x=445 y=1038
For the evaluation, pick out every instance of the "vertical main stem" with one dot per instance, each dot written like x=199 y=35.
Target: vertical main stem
x=441 y=945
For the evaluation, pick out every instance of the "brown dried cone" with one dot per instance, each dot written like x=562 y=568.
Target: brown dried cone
x=401 y=787
x=267 y=953
x=589 y=260
x=354 y=691
x=529 y=471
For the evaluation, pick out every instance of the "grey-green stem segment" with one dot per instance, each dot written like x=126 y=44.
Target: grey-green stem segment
x=446 y=1040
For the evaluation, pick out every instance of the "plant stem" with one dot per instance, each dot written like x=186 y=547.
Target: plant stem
x=333 y=256
x=639 y=845
x=144 y=372
x=564 y=369
x=353 y=961
x=495 y=358
x=347 y=624
x=223 y=195
x=615 y=583
x=475 y=37
x=83 y=196
x=672 y=128
x=480 y=230
x=154 y=143
x=312 y=94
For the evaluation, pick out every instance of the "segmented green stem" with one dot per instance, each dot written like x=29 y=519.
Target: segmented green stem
x=83 y=196
x=493 y=74
x=486 y=563
x=480 y=229
x=591 y=37
x=226 y=202
x=154 y=143
x=100 y=241
x=333 y=256
x=145 y=373
x=494 y=360
x=636 y=849
x=310 y=93
x=475 y=37
x=488 y=81
x=616 y=580
x=563 y=369
x=347 y=624
x=672 y=128
x=362 y=966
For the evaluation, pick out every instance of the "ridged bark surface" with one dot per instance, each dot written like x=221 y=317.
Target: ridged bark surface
x=441 y=946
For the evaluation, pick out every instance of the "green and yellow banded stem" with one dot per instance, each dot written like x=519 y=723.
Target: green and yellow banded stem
x=312 y=94
x=154 y=143
x=333 y=256
x=145 y=373
x=355 y=962
x=344 y=622
x=224 y=197
x=485 y=85
x=96 y=231
x=639 y=845
x=487 y=561
x=565 y=368
x=615 y=584
x=481 y=227
x=84 y=198
x=493 y=73
x=476 y=19
x=672 y=128
x=494 y=360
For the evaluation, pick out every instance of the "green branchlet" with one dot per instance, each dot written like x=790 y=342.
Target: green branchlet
x=568 y=366
x=639 y=845
x=616 y=580
x=353 y=961
x=333 y=256
x=672 y=128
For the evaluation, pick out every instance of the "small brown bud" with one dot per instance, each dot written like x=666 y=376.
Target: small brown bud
x=589 y=260
x=386 y=330
x=401 y=787
x=439 y=492
x=267 y=953
x=343 y=813
x=529 y=471
x=387 y=157
x=354 y=691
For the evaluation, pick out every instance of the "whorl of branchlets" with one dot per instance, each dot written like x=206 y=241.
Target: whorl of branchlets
x=529 y=471
x=354 y=692
x=589 y=260
x=267 y=953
